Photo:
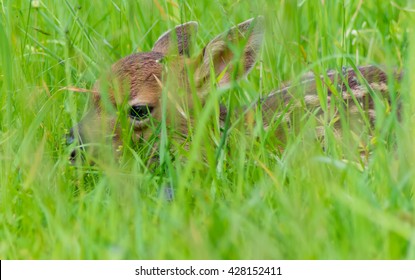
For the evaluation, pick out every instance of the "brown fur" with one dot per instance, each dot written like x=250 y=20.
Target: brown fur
x=353 y=91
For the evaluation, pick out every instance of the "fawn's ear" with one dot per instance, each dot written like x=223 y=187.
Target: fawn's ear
x=179 y=37
x=231 y=54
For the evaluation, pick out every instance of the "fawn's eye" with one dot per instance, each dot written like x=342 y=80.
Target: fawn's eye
x=140 y=112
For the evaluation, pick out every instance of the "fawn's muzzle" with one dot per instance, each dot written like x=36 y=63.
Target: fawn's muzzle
x=70 y=139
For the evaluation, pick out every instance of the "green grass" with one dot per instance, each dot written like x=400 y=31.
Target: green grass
x=243 y=198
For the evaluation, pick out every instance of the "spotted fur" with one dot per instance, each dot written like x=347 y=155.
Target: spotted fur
x=350 y=91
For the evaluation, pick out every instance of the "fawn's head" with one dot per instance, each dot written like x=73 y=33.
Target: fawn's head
x=136 y=84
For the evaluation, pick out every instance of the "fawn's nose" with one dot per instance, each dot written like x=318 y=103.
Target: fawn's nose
x=70 y=139
x=73 y=156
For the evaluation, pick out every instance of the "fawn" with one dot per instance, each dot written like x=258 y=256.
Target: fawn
x=137 y=82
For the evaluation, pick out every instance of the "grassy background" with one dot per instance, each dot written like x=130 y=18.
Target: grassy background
x=245 y=199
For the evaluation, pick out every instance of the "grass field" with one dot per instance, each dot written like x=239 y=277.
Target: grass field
x=243 y=196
